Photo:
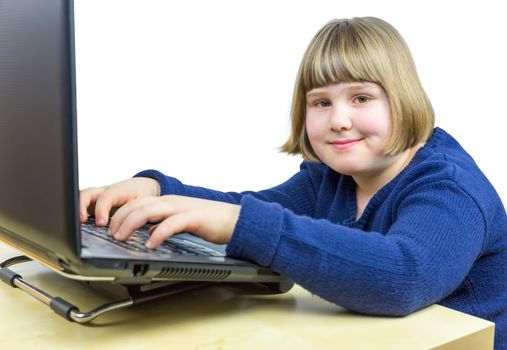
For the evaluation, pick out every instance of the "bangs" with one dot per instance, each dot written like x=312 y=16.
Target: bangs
x=337 y=54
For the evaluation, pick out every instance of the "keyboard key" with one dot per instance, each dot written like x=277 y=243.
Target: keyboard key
x=136 y=242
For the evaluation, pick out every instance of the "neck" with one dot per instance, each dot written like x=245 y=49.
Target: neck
x=369 y=184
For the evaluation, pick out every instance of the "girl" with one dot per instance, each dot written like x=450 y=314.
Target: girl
x=387 y=213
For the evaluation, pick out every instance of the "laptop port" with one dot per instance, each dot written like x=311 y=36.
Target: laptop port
x=140 y=269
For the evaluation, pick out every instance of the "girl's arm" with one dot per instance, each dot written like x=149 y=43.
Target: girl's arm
x=423 y=257
x=297 y=194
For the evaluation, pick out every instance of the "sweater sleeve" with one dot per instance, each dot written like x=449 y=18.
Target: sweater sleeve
x=436 y=235
x=297 y=194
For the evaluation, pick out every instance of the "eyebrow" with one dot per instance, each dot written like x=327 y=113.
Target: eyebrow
x=350 y=86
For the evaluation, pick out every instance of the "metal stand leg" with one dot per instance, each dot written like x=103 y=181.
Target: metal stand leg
x=71 y=312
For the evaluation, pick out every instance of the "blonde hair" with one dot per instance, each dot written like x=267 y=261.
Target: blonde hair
x=363 y=49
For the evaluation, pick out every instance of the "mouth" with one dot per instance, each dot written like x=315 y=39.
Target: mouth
x=345 y=143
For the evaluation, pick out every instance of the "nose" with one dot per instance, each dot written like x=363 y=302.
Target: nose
x=340 y=119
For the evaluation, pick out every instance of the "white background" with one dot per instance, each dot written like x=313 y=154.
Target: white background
x=201 y=90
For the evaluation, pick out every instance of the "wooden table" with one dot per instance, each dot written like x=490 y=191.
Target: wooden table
x=220 y=318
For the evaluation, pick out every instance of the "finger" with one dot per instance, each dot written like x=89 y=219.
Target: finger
x=87 y=199
x=152 y=228
x=169 y=227
x=140 y=204
x=146 y=211
x=108 y=199
x=119 y=216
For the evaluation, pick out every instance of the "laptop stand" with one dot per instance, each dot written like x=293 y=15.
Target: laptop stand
x=124 y=295
x=129 y=294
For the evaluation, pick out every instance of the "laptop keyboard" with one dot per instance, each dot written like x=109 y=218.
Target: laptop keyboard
x=137 y=240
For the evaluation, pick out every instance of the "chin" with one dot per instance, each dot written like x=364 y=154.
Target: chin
x=347 y=170
x=346 y=164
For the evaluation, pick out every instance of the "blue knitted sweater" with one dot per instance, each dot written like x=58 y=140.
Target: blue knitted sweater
x=437 y=233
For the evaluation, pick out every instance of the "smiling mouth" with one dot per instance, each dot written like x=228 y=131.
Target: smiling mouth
x=344 y=144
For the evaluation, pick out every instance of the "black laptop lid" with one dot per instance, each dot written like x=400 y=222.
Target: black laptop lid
x=38 y=162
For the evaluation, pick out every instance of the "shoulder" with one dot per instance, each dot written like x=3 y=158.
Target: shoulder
x=443 y=158
x=443 y=166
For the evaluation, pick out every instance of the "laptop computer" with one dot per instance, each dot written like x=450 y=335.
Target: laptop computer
x=39 y=205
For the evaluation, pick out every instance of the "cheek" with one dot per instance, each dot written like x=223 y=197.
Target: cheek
x=375 y=127
x=379 y=125
x=315 y=128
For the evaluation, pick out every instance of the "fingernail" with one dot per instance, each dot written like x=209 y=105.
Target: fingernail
x=101 y=221
x=149 y=244
x=117 y=236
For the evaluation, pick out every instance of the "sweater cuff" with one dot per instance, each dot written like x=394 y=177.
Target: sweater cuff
x=257 y=232
x=168 y=184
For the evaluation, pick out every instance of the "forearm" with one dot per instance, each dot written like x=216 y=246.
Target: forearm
x=366 y=272
x=171 y=185
x=296 y=194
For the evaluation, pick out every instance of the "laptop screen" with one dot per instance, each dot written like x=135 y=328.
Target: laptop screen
x=38 y=165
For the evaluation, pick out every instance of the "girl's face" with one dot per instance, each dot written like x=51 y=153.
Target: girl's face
x=348 y=125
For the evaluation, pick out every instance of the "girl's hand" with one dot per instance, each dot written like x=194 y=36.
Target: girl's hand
x=211 y=220
x=100 y=200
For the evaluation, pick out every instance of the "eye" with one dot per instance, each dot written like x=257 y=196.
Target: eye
x=362 y=99
x=323 y=103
